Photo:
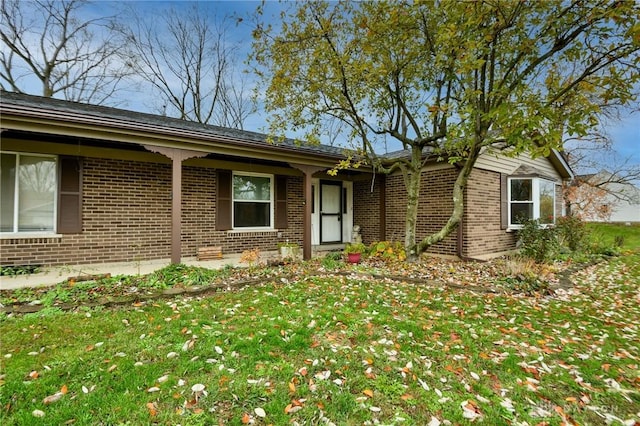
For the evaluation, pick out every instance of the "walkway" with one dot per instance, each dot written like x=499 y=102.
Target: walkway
x=54 y=275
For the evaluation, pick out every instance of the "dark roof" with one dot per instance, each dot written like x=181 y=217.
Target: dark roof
x=121 y=115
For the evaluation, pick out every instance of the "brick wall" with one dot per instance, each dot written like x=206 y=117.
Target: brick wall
x=366 y=209
x=434 y=208
x=481 y=226
x=127 y=217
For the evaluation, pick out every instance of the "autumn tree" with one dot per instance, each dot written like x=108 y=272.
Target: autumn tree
x=600 y=172
x=447 y=79
x=189 y=59
x=50 y=48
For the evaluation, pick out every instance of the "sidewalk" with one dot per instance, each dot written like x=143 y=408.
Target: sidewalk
x=54 y=275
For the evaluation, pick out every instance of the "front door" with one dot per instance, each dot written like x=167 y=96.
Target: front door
x=330 y=212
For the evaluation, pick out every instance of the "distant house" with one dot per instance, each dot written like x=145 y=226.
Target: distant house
x=90 y=184
x=600 y=198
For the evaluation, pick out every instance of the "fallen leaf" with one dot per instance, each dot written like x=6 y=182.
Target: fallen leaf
x=53 y=398
x=260 y=412
x=470 y=410
x=291 y=408
x=153 y=408
x=37 y=413
x=368 y=392
x=246 y=418
x=434 y=422
x=197 y=388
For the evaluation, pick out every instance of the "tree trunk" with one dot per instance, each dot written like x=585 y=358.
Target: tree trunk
x=411 y=219
x=412 y=183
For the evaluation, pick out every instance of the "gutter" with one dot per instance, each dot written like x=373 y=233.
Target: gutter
x=133 y=129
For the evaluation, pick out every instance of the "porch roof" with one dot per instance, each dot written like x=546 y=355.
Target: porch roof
x=37 y=114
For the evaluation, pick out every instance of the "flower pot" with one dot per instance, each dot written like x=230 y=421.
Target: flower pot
x=354 y=257
x=289 y=252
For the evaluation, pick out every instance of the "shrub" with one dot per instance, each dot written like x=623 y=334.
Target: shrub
x=523 y=275
x=538 y=242
x=572 y=232
x=332 y=261
x=388 y=251
x=19 y=270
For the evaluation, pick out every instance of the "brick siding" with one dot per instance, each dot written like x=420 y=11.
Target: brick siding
x=366 y=209
x=482 y=234
x=127 y=217
x=481 y=227
x=434 y=208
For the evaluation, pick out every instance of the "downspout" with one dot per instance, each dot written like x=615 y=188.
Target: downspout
x=460 y=240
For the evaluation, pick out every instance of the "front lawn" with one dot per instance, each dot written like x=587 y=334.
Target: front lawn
x=628 y=236
x=335 y=349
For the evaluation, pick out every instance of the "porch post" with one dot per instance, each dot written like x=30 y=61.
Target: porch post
x=307 y=172
x=306 y=222
x=177 y=156
x=176 y=208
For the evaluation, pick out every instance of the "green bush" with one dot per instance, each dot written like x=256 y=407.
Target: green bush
x=538 y=242
x=572 y=232
x=19 y=270
x=388 y=251
x=332 y=261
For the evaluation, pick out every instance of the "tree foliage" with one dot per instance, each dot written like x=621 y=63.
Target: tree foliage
x=71 y=57
x=448 y=79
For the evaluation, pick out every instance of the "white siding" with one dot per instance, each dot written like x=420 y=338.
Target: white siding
x=500 y=163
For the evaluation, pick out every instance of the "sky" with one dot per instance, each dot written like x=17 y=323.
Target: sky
x=624 y=133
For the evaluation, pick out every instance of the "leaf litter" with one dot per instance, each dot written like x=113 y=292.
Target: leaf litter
x=390 y=350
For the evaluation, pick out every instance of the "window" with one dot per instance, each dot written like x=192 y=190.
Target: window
x=531 y=198
x=28 y=186
x=252 y=201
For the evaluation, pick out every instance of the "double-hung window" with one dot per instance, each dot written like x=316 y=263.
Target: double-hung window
x=28 y=192
x=531 y=198
x=252 y=201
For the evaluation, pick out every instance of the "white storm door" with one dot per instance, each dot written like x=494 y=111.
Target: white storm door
x=330 y=212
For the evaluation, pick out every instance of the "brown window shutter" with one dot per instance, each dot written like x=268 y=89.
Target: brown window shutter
x=281 y=221
x=504 y=202
x=223 y=201
x=69 y=195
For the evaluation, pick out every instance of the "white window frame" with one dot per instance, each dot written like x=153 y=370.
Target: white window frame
x=271 y=202
x=16 y=203
x=535 y=195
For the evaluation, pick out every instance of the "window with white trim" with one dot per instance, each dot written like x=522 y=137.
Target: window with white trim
x=531 y=198
x=252 y=201
x=28 y=192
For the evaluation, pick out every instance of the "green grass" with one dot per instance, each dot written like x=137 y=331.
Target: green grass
x=335 y=349
x=607 y=233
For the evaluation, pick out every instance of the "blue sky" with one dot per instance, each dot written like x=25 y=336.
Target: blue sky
x=624 y=133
